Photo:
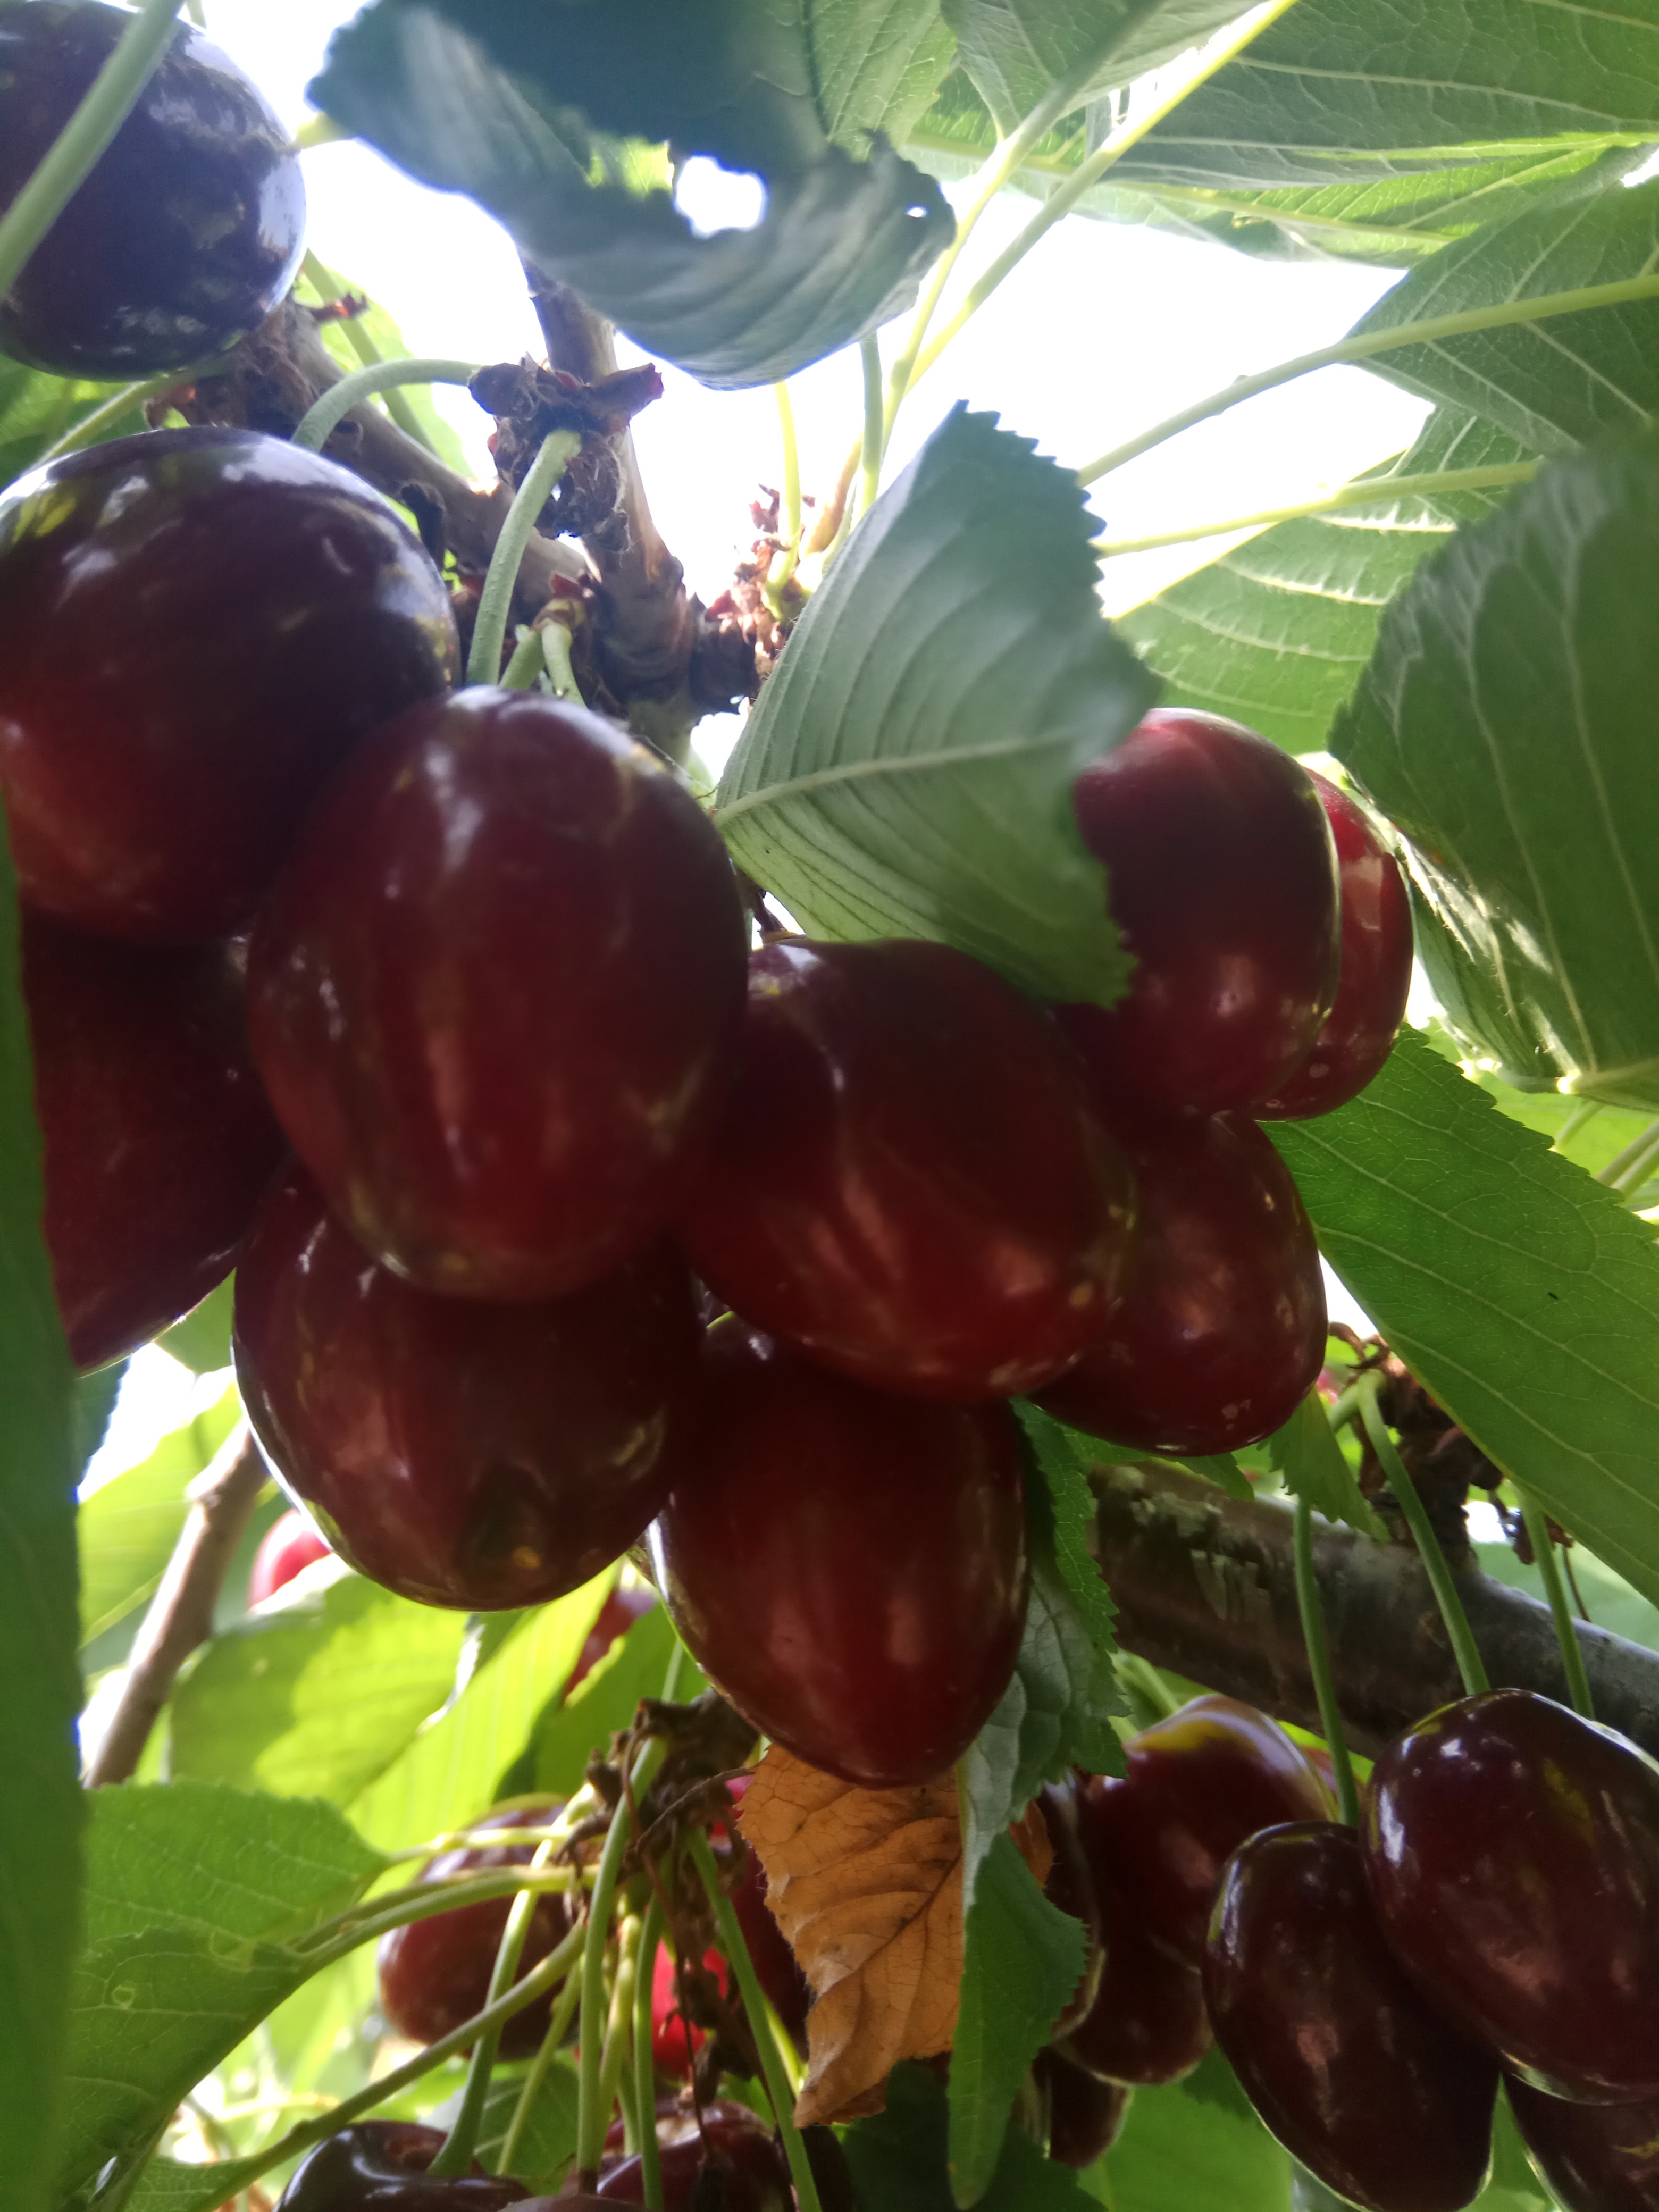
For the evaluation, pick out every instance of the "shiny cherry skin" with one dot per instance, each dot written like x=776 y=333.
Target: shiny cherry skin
x=200 y=625
x=1346 y=2061
x=1086 y=2115
x=496 y=992
x=1376 y=977
x=909 y=1181
x=189 y=229
x=1513 y=1851
x=781 y=1978
x=1147 y=2024
x=849 y=1566
x=1591 y=2158
x=435 y=1973
x=380 y=2166
x=620 y=1609
x=157 y=1140
x=1223 y=880
x=1220 y=1331
x=287 y=1547
x=460 y=1453
x=744 y=2152
x=1198 y=1783
x=1071 y=1888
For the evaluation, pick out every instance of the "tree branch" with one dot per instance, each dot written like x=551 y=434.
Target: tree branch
x=1205 y=1586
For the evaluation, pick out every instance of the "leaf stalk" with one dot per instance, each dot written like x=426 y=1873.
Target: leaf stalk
x=1470 y=1665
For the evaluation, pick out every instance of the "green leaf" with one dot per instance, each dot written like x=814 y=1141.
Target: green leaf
x=877 y=65
x=128 y=1525
x=1063 y=1510
x=37 y=410
x=1180 y=2152
x=201 y=1339
x=577 y=1728
x=166 y=2185
x=94 y=1402
x=1305 y=1451
x=908 y=770
x=898 y=2159
x=549 y=2141
x=1504 y=727
x=1516 y=1288
x=1017 y=52
x=317 y=1695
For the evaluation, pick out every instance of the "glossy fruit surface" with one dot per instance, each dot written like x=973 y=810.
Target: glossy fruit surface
x=1592 y=2158
x=157 y=1139
x=1071 y=1887
x=753 y=2172
x=1220 y=1331
x=779 y=1977
x=1198 y=1783
x=1086 y=2116
x=1222 y=882
x=287 y=1547
x=380 y=2166
x=190 y=226
x=435 y=1973
x=1376 y=969
x=848 y=1566
x=908 y=1181
x=1147 y=2024
x=1351 y=2068
x=460 y=1453
x=1513 y=1851
x=199 y=625
x=493 y=992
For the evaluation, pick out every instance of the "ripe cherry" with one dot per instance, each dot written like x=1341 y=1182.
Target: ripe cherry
x=287 y=1547
x=909 y=1181
x=1513 y=1851
x=849 y=1566
x=1376 y=969
x=492 y=992
x=1223 y=881
x=200 y=624
x=380 y=2166
x=1071 y=1888
x=1353 y=2070
x=1086 y=2115
x=1147 y=2024
x=1591 y=2158
x=435 y=1973
x=157 y=1140
x=737 y=2144
x=1221 y=1328
x=189 y=229
x=676 y=2040
x=460 y=1453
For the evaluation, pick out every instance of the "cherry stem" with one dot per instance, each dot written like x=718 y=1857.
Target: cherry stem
x=91 y=427
x=1319 y=1666
x=320 y=419
x=1555 y=1588
x=1367 y=491
x=619 y=2024
x=483 y=663
x=564 y=2008
x=74 y=153
x=736 y=1950
x=424 y=1900
x=645 y=2067
x=1464 y=1648
x=874 y=419
x=456 y=2153
x=526 y=664
x=329 y=289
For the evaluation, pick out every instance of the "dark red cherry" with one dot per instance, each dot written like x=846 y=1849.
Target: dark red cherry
x=676 y=2040
x=781 y=1978
x=1071 y=1888
x=1591 y=2158
x=157 y=1139
x=1357 y=2075
x=620 y=1609
x=493 y=990
x=435 y=1973
x=1220 y=1330
x=380 y=2166
x=849 y=1566
x=1377 y=970
x=1222 y=879
x=200 y=624
x=1198 y=1783
x=1147 y=2024
x=1086 y=2115
x=1513 y=1851
x=908 y=1181
x=460 y=1453
x=287 y=1547
x=190 y=226
x=741 y=2148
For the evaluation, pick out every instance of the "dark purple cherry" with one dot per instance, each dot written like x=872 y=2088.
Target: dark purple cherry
x=380 y=2166
x=157 y=1139
x=1222 y=879
x=1071 y=1888
x=847 y=1566
x=1086 y=2115
x=459 y=1452
x=1377 y=970
x=1591 y=2158
x=908 y=1181
x=1351 y=2068
x=1199 y=1785
x=495 y=992
x=754 y=2174
x=435 y=1973
x=1513 y=1851
x=1147 y=2024
x=1220 y=1331
x=190 y=226
x=199 y=625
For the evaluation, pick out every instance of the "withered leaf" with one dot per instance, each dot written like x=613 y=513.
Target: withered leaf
x=867 y=1884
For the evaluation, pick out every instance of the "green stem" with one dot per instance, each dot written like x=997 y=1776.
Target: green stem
x=558 y=2026
x=91 y=427
x=556 y=658
x=455 y=2156
x=592 y=2114
x=1540 y=308
x=791 y=469
x=1469 y=1664
x=1566 y=1634
x=619 y=2027
x=329 y=287
x=1586 y=1110
x=1154 y=1687
x=1373 y=492
x=527 y=662
x=321 y=130
x=645 y=2068
x=736 y=1952
x=423 y=1900
x=1633 y=1162
x=483 y=663
x=870 y=353
x=74 y=153
x=1319 y=1666
x=324 y=415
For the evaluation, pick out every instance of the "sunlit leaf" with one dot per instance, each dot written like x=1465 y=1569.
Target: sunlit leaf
x=128 y=1526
